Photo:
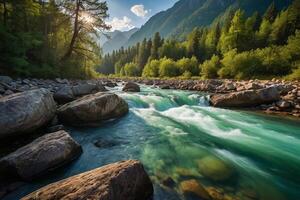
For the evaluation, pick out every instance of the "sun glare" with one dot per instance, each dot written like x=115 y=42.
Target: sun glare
x=86 y=18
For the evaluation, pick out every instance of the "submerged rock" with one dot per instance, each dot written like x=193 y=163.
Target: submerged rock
x=105 y=143
x=93 y=109
x=215 y=169
x=246 y=98
x=43 y=154
x=131 y=87
x=122 y=180
x=194 y=188
x=25 y=112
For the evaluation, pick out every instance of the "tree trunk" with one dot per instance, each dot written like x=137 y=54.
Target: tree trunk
x=75 y=33
x=5 y=12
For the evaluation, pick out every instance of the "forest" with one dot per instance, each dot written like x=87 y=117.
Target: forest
x=237 y=46
x=48 y=39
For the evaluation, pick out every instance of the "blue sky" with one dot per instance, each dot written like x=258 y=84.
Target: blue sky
x=127 y=14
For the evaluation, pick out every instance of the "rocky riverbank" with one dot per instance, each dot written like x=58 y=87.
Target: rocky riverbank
x=33 y=113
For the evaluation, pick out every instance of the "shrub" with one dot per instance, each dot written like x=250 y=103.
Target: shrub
x=210 y=68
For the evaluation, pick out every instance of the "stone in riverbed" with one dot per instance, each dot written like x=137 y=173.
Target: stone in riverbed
x=215 y=169
x=5 y=79
x=194 y=188
x=131 y=87
x=87 y=88
x=122 y=180
x=25 y=112
x=42 y=155
x=64 y=94
x=93 y=109
x=245 y=98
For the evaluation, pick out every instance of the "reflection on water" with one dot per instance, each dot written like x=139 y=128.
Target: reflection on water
x=186 y=145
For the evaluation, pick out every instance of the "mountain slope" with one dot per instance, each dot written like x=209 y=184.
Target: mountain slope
x=117 y=40
x=188 y=14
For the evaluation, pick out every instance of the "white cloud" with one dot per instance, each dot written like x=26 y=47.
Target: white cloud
x=139 y=10
x=122 y=24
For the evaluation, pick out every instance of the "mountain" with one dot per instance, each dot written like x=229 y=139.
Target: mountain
x=185 y=15
x=116 y=40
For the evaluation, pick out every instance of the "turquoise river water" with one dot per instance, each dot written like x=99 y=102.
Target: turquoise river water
x=176 y=135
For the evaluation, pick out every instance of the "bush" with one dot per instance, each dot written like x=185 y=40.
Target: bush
x=188 y=65
x=131 y=69
x=210 y=68
x=151 y=69
x=168 y=68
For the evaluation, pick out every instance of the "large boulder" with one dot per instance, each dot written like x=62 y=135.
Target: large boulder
x=43 y=154
x=122 y=180
x=92 y=109
x=245 y=98
x=131 y=87
x=25 y=112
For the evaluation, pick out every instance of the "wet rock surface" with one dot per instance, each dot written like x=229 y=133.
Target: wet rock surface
x=92 y=109
x=122 y=180
x=43 y=154
x=131 y=87
x=25 y=112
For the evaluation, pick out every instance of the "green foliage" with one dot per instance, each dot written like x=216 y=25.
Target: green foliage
x=35 y=35
x=210 y=68
x=151 y=69
x=295 y=75
x=131 y=69
x=188 y=65
x=172 y=49
x=239 y=46
x=168 y=68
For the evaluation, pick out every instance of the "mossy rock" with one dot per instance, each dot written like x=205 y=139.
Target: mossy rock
x=194 y=188
x=215 y=169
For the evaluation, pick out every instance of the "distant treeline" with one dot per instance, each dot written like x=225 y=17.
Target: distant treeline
x=50 y=38
x=240 y=47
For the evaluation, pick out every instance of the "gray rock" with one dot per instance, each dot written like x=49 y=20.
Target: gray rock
x=246 y=98
x=122 y=180
x=2 y=90
x=25 y=112
x=283 y=104
x=8 y=92
x=87 y=88
x=42 y=155
x=64 y=94
x=92 y=109
x=55 y=128
x=252 y=86
x=131 y=87
x=5 y=79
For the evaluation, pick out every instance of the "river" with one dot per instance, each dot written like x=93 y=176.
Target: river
x=176 y=135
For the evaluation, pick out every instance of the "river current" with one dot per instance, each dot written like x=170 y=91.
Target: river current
x=179 y=137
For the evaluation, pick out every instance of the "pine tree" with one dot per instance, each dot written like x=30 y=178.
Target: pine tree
x=271 y=13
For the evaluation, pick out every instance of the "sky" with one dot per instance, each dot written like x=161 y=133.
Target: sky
x=127 y=14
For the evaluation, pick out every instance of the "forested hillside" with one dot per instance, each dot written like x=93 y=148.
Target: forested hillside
x=50 y=38
x=258 y=46
x=185 y=15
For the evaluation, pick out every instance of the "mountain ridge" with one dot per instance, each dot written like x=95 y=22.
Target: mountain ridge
x=185 y=15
